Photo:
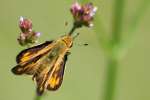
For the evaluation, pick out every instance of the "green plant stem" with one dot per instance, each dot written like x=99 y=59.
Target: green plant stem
x=134 y=25
x=38 y=97
x=112 y=60
x=72 y=30
x=141 y=10
x=117 y=20
x=75 y=26
x=112 y=67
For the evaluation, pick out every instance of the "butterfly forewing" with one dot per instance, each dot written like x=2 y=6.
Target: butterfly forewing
x=33 y=52
x=29 y=58
x=27 y=68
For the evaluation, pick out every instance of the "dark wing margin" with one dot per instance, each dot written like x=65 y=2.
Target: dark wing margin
x=31 y=51
x=56 y=79
x=27 y=68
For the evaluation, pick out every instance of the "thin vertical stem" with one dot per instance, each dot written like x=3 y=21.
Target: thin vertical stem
x=37 y=97
x=117 y=20
x=141 y=10
x=112 y=67
x=72 y=30
x=112 y=62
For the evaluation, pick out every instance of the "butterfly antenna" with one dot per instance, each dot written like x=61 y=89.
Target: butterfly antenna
x=85 y=44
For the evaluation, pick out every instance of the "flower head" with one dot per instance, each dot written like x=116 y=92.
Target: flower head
x=83 y=14
x=25 y=24
x=27 y=36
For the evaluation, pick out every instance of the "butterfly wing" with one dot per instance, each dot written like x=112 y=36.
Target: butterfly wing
x=27 y=68
x=33 y=52
x=52 y=78
x=29 y=59
x=56 y=77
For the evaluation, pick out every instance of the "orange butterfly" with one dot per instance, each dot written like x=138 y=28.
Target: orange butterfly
x=46 y=62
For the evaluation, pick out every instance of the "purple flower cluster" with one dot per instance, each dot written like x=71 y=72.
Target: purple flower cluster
x=27 y=35
x=83 y=14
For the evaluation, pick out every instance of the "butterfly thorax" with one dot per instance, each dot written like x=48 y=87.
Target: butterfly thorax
x=67 y=40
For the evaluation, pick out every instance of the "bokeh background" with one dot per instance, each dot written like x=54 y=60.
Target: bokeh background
x=86 y=68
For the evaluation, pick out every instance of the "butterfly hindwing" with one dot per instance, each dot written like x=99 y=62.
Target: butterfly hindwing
x=56 y=77
x=52 y=78
x=40 y=80
x=43 y=72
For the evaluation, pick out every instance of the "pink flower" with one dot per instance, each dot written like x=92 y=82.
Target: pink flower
x=83 y=14
x=25 y=24
x=27 y=36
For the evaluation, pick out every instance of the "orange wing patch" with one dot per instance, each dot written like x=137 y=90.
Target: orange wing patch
x=33 y=52
x=54 y=81
x=56 y=76
x=27 y=68
x=42 y=74
x=29 y=59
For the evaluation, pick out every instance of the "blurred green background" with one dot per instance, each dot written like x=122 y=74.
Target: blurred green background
x=86 y=68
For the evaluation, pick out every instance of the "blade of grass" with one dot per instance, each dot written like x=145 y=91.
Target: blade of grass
x=112 y=68
x=112 y=62
x=117 y=20
x=135 y=22
x=143 y=7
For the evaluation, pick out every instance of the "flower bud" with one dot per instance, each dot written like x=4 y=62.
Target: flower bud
x=83 y=14
x=27 y=36
x=25 y=24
